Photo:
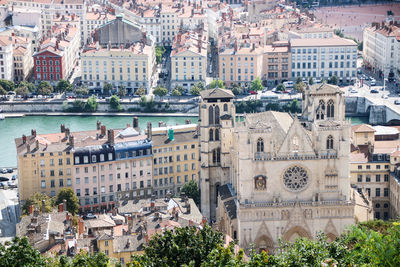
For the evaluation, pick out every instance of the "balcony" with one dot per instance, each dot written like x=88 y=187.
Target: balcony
x=325 y=154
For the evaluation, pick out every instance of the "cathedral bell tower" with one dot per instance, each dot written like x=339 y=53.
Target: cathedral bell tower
x=216 y=121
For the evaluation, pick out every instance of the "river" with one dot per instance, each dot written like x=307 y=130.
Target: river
x=12 y=128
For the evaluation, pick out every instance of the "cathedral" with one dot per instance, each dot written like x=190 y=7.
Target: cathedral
x=273 y=175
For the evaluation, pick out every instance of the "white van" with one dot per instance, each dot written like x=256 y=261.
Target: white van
x=288 y=84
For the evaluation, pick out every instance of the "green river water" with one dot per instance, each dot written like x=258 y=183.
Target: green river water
x=11 y=128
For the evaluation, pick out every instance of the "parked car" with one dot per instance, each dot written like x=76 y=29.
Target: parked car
x=372 y=82
x=1 y=185
x=384 y=96
x=373 y=91
x=14 y=177
x=353 y=91
x=10 y=170
x=288 y=84
x=397 y=102
x=90 y=216
x=3 y=170
x=253 y=92
x=4 y=179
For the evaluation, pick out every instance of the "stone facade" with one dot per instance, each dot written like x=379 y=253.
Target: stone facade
x=287 y=177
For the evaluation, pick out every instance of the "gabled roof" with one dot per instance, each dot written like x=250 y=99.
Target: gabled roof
x=216 y=93
x=324 y=88
x=363 y=128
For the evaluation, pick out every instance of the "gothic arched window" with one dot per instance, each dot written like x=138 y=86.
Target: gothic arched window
x=216 y=135
x=225 y=107
x=210 y=115
x=329 y=142
x=321 y=110
x=260 y=145
x=330 y=109
x=216 y=155
x=216 y=115
x=211 y=135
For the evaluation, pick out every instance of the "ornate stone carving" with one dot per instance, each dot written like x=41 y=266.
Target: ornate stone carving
x=260 y=182
x=295 y=178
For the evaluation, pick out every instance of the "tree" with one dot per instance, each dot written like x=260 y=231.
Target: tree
x=300 y=87
x=180 y=89
x=160 y=91
x=299 y=80
x=36 y=200
x=19 y=253
x=121 y=91
x=115 y=103
x=44 y=88
x=236 y=89
x=310 y=80
x=23 y=91
x=2 y=91
x=280 y=87
x=160 y=50
x=107 y=88
x=194 y=90
x=333 y=80
x=256 y=85
x=7 y=85
x=140 y=91
x=91 y=104
x=29 y=86
x=82 y=91
x=192 y=191
x=217 y=84
x=64 y=86
x=176 y=92
x=84 y=259
x=183 y=246
x=72 y=200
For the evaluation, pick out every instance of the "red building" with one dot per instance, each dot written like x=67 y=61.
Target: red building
x=49 y=64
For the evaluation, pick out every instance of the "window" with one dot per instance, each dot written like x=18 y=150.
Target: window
x=43 y=184
x=321 y=110
x=329 y=142
x=225 y=107
x=360 y=167
x=216 y=135
x=377 y=192
x=386 y=192
x=260 y=145
x=216 y=115
x=368 y=178
x=217 y=155
x=359 y=178
x=211 y=137
x=378 y=178
x=386 y=177
x=210 y=115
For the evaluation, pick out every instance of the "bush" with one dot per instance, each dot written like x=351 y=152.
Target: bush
x=115 y=103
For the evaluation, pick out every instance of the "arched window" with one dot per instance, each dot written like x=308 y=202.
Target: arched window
x=330 y=109
x=210 y=115
x=216 y=135
x=214 y=156
x=216 y=115
x=217 y=155
x=211 y=135
x=321 y=110
x=260 y=145
x=329 y=142
x=225 y=107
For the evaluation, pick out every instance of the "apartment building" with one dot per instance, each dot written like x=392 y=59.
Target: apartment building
x=381 y=49
x=31 y=32
x=189 y=59
x=240 y=64
x=23 y=60
x=131 y=66
x=175 y=158
x=276 y=63
x=6 y=58
x=323 y=58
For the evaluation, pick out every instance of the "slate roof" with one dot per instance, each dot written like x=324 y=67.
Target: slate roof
x=230 y=207
x=216 y=93
x=225 y=191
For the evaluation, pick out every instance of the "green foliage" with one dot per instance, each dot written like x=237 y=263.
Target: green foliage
x=7 y=85
x=300 y=87
x=236 y=89
x=280 y=87
x=2 y=91
x=191 y=190
x=64 y=86
x=36 y=201
x=121 y=91
x=256 y=85
x=333 y=80
x=360 y=46
x=84 y=259
x=184 y=246
x=197 y=88
x=91 y=104
x=140 y=91
x=29 y=86
x=338 y=32
x=273 y=107
x=160 y=50
x=107 y=88
x=115 y=103
x=147 y=105
x=248 y=106
x=217 y=84
x=72 y=200
x=22 y=91
x=180 y=89
x=160 y=91
x=82 y=91
x=292 y=107
x=45 y=88
x=299 y=80
x=310 y=80
x=19 y=253
x=176 y=92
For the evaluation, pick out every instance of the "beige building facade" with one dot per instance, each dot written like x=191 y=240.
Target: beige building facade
x=272 y=175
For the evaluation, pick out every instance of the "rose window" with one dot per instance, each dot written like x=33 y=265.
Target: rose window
x=295 y=178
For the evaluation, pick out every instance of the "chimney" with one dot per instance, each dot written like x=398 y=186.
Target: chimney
x=98 y=125
x=28 y=148
x=67 y=133
x=112 y=232
x=60 y=207
x=37 y=144
x=103 y=130
x=31 y=209
x=62 y=128
x=43 y=206
x=235 y=47
x=149 y=131
x=111 y=137
x=33 y=133
x=135 y=122
x=114 y=212
x=23 y=139
x=71 y=141
x=64 y=204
